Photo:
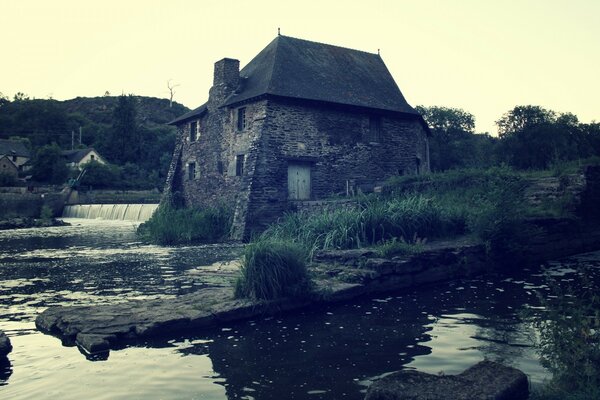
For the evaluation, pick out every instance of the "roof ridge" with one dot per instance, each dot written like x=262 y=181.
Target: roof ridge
x=331 y=45
x=270 y=78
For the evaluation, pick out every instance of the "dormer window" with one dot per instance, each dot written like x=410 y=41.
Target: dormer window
x=241 y=118
x=193 y=131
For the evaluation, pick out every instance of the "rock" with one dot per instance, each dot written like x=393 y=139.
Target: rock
x=5 y=346
x=486 y=380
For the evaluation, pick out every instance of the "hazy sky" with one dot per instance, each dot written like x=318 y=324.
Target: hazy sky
x=480 y=55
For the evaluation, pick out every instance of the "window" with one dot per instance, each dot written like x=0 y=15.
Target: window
x=92 y=157
x=193 y=131
x=14 y=158
x=239 y=165
x=220 y=167
x=241 y=118
x=374 y=129
x=192 y=171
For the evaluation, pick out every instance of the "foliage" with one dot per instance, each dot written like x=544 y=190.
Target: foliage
x=101 y=176
x=46 y=213
x=373 y=221
x=45 y=121
x=7 y=179
x=273 y=269
x=49 y=165
x=453 y=142
x=171 y=226
x=569 y=343
x=399 y=247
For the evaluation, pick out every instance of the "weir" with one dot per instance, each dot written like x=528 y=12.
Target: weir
x=124 y=212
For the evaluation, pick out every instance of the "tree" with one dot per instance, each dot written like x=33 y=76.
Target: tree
x=453 y=143
x=49 y=165
x=523 y=117
x=171 y=92
x=125 y=139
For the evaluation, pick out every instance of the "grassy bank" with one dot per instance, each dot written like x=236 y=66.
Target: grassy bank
x=170 y=225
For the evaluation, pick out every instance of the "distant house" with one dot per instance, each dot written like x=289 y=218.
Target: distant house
x=302 y=121
x=8 y=167
x=16 y=152
x=76 y=158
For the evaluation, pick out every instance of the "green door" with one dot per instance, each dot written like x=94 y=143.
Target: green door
x=298 y=181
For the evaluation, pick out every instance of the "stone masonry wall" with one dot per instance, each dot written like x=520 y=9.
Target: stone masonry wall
x=338 y=146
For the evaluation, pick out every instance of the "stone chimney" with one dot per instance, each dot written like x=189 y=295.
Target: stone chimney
x=227 y=72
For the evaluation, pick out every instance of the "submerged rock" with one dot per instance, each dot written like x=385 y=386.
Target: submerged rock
x=486 y=380
x=5 y=346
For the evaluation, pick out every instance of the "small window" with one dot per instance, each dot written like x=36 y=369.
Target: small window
x=92 y=157
x=374 y=129
x=241 y=118
x=239 y=165
x=220 y=167
x=192 y=171
x=193 y=131
x=14 y=158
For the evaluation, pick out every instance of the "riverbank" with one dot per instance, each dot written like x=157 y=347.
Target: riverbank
x=26 y=222
x=339 y=275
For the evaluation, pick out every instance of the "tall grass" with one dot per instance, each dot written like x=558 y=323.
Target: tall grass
x=373 y=221
x=171 y=226
x=273 y=269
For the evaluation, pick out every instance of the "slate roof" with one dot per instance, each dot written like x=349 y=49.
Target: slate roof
x=189 y=115
x=76 y=155
x=13 y=148
x=301 y=69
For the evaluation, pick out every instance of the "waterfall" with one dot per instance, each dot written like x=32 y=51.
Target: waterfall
x=124 y=212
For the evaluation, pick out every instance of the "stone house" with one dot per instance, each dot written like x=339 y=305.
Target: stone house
x=8 y=167
x=17 y=152
x=76 y=158
x=302 y=121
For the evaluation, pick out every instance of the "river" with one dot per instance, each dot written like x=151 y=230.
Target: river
x=329 y=352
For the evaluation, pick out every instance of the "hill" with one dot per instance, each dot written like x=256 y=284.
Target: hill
x=98 y=122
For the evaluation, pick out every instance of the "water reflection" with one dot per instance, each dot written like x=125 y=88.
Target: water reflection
x=327 y=352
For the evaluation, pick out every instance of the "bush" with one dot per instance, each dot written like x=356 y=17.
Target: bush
x=7 y=179
x=273 y=269
x=569 y=342
x=172 y=226
x=400 y=247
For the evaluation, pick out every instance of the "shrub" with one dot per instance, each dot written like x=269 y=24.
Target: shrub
x=273 y=269
x=46 y=213
x=399 y=247
x=172 y=226
x=569 y=342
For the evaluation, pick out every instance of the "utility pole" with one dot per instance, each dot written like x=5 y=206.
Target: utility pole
x=80 y=135
x=72 y=139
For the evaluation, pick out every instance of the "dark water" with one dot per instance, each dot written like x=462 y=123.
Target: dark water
x=331 y=352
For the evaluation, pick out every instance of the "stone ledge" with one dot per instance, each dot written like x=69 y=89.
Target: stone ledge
x=5 y=346
x=486 y=380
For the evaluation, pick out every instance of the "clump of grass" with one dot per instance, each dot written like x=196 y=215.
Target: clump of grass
x=273 y=269
x=373 y=221
x=171 y=226
x=400 y=247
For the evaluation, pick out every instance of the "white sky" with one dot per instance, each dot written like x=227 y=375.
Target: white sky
x=480 y=55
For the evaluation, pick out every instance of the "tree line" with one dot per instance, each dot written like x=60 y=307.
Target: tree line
x=128 y=131
x=529 y=137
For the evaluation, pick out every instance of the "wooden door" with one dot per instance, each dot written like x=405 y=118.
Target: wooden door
x=299 y=181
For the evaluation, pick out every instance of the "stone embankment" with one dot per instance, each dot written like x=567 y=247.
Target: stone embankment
x=339 y=276
x=20 y=223
x=486 y=380
x=5 y=346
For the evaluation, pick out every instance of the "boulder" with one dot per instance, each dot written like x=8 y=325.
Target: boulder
x=486 y=380
x=5 y=346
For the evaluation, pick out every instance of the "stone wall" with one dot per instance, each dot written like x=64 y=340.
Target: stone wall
x=339 y=147
x=337 y=143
